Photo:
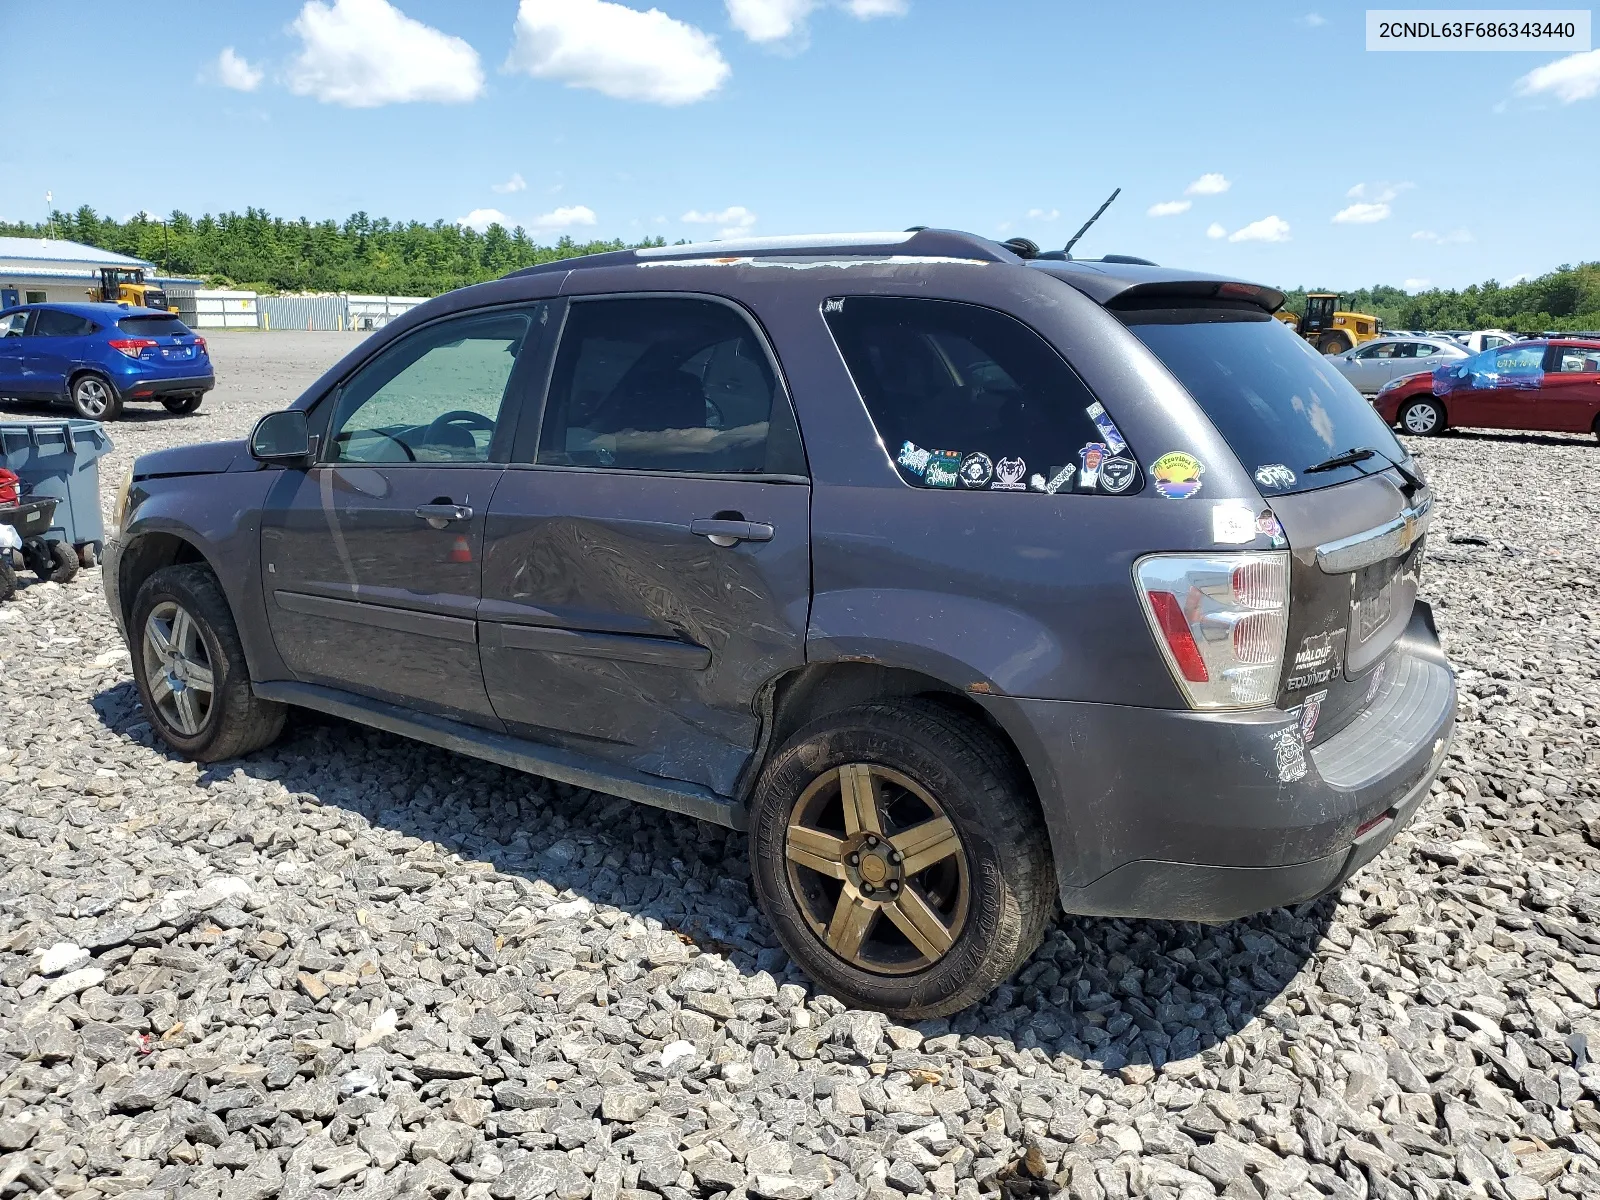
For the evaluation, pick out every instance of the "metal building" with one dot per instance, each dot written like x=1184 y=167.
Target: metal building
x=37 y=270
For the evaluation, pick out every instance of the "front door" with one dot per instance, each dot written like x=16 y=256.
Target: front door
x=52 y=348
x=372 y=559
x=12 y=342
x=1571 y=395
x=648 y=569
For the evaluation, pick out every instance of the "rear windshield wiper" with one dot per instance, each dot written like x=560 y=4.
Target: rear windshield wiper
x=1347 y=458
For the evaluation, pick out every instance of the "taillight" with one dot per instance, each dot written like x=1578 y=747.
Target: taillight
x=200 y=344
x=1220 y=621
x=10 y=487
x=132 y=347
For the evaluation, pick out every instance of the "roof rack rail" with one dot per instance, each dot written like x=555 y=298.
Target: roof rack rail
x=920 y=242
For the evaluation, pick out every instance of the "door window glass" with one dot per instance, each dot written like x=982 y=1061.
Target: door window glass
x=55 y=323
x=1380 y=350
x=13 y=325
x=666 y=385
x=434 y=396
x=1577 y=359
x=966 y=396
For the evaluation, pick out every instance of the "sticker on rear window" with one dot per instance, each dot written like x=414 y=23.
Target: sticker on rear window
x=1036 y=482
x=1117 y=475
x=976 y=469
x=913 y=458
x=1008 y=475
x=1274 y=475
x=1060 y=477
x=942 y=468
x=1177 y=474
x=1107 y=427
x=1091 y=456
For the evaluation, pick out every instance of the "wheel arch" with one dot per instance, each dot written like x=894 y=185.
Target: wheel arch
x=99 y=373
x=144 y=555
x=801 y=695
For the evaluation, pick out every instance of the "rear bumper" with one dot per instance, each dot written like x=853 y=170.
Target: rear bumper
x=154 y=387
x=1181 y=815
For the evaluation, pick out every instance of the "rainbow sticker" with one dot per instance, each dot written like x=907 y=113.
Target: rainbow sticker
x=1177 y=474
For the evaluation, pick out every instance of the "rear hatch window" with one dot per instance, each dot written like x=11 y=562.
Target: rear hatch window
x=153 y=326
x=1277 y=403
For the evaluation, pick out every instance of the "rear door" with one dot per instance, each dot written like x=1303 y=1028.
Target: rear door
x=1515 y=399
x=1571 y=394
x=53 y=348
x=648 y=561
x=373 y=557
x=1356 y=530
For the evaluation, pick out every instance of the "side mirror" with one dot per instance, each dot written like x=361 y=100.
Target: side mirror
x=282 y=437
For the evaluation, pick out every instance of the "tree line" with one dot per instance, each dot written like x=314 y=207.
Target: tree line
x=363 y=254
x=263 y=253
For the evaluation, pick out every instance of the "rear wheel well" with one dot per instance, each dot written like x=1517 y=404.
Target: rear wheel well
x=818 y=689
x=72 y=380
x=146 y=555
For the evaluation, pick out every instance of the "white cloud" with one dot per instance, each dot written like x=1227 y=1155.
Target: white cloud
x=366 y=53
x=1268 y=229
x=1169 y=208
x=234 y=72
x=1213 y=183
x=1418 y=285
x=1379 y=193
x=565 y=217
x=515 y=184
x=735 y=220
x=481 y=218
x=1214 y=230
x=1455 y=237
x=1314 y=20
x=1361 y=214
x=1041 y=214
x=1520 y=277
x=1570 y=79
x=618 y=51
x=785 y=20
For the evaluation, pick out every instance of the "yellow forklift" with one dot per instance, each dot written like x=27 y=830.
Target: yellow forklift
x=1329 y=329
x=126 y=285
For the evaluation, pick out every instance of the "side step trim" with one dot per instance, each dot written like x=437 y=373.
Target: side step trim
x=564 y=766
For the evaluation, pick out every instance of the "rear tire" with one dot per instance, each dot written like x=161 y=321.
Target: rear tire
x=180 y=405
x=930 y=911
x=1422 y=418
x=94 y=399
x=190 y=668
x=8 y=576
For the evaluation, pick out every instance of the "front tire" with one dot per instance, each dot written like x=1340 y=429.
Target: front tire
x=1333 y=344
x=94 y=399
x=1422 y=418
x=900 y=857
x=190 y=668
x=180 y=405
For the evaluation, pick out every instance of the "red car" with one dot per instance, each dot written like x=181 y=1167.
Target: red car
x=1546 y=385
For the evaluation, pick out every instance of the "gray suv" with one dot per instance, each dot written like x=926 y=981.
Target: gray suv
x=965 y=582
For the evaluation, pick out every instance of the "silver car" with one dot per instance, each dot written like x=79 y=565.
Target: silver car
x=1368 y=367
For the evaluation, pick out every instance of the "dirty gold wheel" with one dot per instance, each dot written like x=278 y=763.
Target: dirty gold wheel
x=878 y=869
x=899 y=853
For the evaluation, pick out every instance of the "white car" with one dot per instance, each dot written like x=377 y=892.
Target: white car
x=1487 y=339
x=1371 y=365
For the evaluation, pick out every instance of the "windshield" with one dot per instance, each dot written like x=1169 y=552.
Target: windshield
x=1275 y=400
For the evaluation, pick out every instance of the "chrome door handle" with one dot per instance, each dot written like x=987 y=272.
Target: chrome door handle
x=444 y=512
x=726 y=533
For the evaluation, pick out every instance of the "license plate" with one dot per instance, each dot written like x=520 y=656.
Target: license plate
x=1372 y=613
x=177 y=352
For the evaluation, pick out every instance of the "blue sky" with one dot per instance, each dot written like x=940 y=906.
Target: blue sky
x=1256 y=123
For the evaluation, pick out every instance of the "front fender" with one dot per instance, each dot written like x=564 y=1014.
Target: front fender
x=219 y=516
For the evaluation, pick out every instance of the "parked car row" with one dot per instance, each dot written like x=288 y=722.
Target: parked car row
x=98 y=357
x=1550 y=385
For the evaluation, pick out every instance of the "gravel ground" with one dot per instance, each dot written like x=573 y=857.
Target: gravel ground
x=354 y=964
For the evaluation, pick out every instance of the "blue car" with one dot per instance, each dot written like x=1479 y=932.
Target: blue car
x=97 y=357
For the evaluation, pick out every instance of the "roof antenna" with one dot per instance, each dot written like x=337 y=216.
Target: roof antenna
x=1067 y=252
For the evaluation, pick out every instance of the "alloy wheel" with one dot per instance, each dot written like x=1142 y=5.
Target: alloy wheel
x=878 y=870
x=93 y=397
x=1421 y=418
x=178 y=668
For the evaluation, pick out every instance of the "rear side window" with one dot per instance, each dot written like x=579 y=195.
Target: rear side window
x=54 y=323
x=672 y=384
x=964 y=396
x=153 y=326
x=1577 y=359
x=1277 y=403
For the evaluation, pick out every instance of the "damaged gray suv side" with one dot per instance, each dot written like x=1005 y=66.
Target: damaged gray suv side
x=963 y=582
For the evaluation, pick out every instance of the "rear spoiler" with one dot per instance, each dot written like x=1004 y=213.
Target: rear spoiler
x=1197 y=292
